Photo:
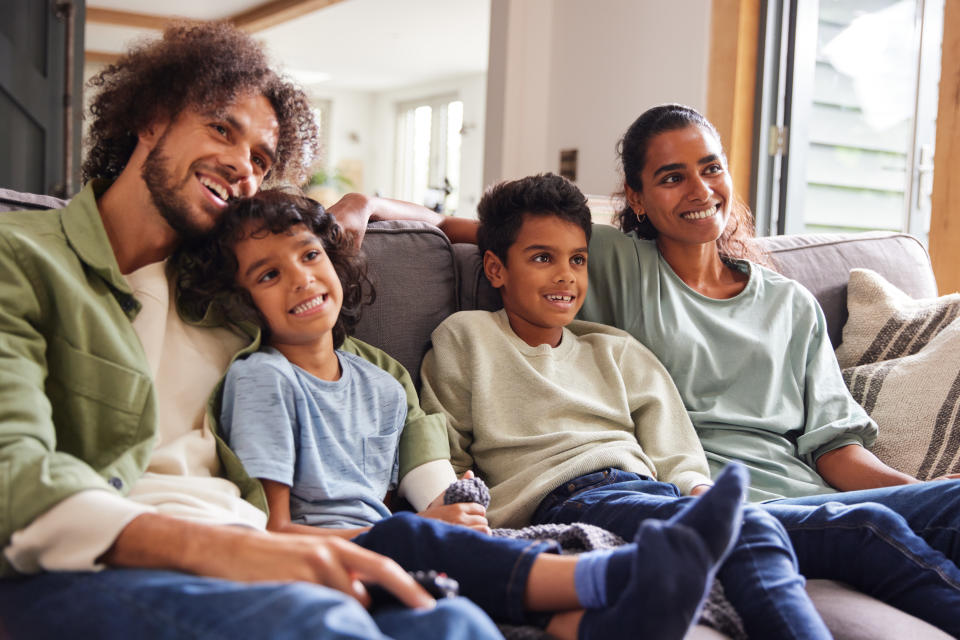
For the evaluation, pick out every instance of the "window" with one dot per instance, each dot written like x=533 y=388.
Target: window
x=848 y=114
x=428 y=147
x=321 y=114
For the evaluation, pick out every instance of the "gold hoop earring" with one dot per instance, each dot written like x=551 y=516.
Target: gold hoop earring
x=641 y=217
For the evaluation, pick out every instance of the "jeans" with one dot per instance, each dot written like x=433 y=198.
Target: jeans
x=152 y=604
x=931 y=509
x=868 y=546
x=872 y=548
x=760 y=575
x=492 y=572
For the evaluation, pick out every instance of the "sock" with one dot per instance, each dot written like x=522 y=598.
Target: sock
x=715 y=514
x=672 y=567
x=603 y=572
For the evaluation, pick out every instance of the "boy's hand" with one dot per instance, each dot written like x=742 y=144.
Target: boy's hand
x=700 y=489
x=467 y=514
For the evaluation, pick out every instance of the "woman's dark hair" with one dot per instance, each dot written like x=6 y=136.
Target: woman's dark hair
x=502 y=208
x=737 y=240
x=205 y=269
x=203 y=66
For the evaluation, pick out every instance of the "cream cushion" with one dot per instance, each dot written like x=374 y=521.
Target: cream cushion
x=901 y=360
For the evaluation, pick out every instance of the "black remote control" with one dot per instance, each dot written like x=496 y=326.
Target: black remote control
x=438 y=585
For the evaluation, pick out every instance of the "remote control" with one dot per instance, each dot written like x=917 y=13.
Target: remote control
x=438 y=585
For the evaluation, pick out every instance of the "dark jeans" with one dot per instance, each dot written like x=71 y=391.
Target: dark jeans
x=930 y=509
x=149 y=604
x=868 y=546
x=492 y=572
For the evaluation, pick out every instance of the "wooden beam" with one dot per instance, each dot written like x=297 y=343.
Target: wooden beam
x=128 y=18
x=100 y=57
x=257 y=18
x=945 y=214
x=734 y=31
x=275 y=12
x=260 y=17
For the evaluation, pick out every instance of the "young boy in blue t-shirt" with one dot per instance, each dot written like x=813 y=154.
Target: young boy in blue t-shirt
x=320 y=427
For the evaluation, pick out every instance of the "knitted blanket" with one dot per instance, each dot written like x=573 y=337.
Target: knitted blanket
x=576 y=538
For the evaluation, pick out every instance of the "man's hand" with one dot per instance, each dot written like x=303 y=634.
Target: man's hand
x=236 y=553
x=354 y=210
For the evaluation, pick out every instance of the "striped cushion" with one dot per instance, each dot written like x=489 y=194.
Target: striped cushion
x=901 y=361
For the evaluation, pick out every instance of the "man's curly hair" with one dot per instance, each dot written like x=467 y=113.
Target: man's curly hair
x=205 y=269
x=202 y=66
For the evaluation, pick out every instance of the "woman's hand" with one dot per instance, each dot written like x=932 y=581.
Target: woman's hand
x=852 y=467
x=948 y=476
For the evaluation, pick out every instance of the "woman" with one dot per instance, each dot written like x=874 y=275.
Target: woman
x=747 y=348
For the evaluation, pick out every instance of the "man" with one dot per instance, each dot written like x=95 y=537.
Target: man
x=100 y=469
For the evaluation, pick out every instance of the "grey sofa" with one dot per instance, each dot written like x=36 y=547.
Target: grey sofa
x=421 y=279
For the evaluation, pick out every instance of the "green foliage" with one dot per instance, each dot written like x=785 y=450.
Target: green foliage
x=328 y=178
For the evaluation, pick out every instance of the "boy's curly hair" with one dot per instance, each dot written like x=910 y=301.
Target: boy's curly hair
x=504 y=206
x=205 y=269
x=202 y=66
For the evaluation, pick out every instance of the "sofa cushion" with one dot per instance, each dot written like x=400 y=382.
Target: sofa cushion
x=416 y=281
x=901 y=361
x=851 y=615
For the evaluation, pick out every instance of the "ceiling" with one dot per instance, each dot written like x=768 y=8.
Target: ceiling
x=369 y=45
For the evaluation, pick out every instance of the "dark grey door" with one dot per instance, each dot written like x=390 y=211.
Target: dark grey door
x=40 y=95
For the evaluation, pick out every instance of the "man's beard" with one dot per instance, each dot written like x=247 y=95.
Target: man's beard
x=163 y=192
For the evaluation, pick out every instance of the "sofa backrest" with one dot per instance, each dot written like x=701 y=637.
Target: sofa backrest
x=820 y=262
x=420 y=278
x=414 y=272
x=17 y=200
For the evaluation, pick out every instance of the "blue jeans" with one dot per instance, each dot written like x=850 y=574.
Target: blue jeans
x=931 y=509
x=151 y=604
x=873 y=549
x=868 y=546
x=760 y=575
x=492 y=572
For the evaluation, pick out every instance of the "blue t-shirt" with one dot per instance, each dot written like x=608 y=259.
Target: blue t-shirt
x=334 y=443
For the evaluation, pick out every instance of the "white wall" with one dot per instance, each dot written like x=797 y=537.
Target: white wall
x=575 y=74
x=349 y=136
x=518 y=81
x=471 y=89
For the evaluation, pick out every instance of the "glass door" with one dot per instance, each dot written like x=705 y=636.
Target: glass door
x=848 y=111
